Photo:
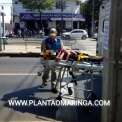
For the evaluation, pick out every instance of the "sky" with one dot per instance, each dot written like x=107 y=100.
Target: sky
x=7 y=9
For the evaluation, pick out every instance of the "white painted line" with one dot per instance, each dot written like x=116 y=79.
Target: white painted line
x=18 y=74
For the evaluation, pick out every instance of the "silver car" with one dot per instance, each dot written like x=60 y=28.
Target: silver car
x=76 y=34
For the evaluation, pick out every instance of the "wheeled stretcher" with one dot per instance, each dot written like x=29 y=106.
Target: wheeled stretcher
x=67 y=68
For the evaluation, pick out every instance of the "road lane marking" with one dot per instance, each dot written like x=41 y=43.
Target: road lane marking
x=18 y=74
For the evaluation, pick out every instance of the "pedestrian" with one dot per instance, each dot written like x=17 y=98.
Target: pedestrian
x=19 y=33
x=52 y=44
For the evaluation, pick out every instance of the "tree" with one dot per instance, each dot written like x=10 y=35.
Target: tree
x=87 y=11
x=38 y=5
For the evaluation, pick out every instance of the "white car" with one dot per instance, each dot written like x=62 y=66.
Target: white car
x=76 y=34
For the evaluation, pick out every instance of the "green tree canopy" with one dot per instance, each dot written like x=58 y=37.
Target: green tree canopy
x=38 y=5
x=87 y=9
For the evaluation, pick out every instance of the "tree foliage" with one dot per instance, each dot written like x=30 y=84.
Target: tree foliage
x=87 y=9
x=38 y=5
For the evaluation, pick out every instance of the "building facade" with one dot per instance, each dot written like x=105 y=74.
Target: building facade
x=70 y=16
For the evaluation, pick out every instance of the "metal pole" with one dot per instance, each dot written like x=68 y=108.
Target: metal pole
x=2 y=29
x=0 y=33
x=3 y=32
x=92 y=29
x=72 y=20
x=40 y=20
x=3 y=23
x=0 y=43
x=62 y=17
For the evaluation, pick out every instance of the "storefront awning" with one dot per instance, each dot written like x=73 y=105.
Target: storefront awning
x=51 y=16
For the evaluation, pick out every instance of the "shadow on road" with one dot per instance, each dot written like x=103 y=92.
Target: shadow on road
x=28 y=94
x=66 y=114
x=89 y=114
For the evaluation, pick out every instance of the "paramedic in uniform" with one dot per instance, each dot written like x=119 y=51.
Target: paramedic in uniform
x=52 y=44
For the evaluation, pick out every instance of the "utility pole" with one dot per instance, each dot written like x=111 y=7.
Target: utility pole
x=112 y=84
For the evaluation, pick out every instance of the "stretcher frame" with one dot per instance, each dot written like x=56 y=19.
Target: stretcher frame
x=69 y=68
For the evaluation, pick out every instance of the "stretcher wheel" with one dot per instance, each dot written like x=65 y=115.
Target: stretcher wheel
x=70 y=91
x=39 y=73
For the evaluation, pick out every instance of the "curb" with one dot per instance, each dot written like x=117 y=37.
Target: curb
x=19 y=54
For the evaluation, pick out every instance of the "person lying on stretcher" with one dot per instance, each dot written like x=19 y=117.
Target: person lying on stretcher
x=74 y=55
x=68 y=54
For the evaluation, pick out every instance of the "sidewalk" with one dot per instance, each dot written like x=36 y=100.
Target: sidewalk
x=20 y=46
x=14 y=48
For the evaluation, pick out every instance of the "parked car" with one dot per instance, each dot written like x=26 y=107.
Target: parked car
x=9 y=35
x=76 y=34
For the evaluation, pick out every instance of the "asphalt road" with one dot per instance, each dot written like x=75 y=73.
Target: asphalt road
x=18 y=80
